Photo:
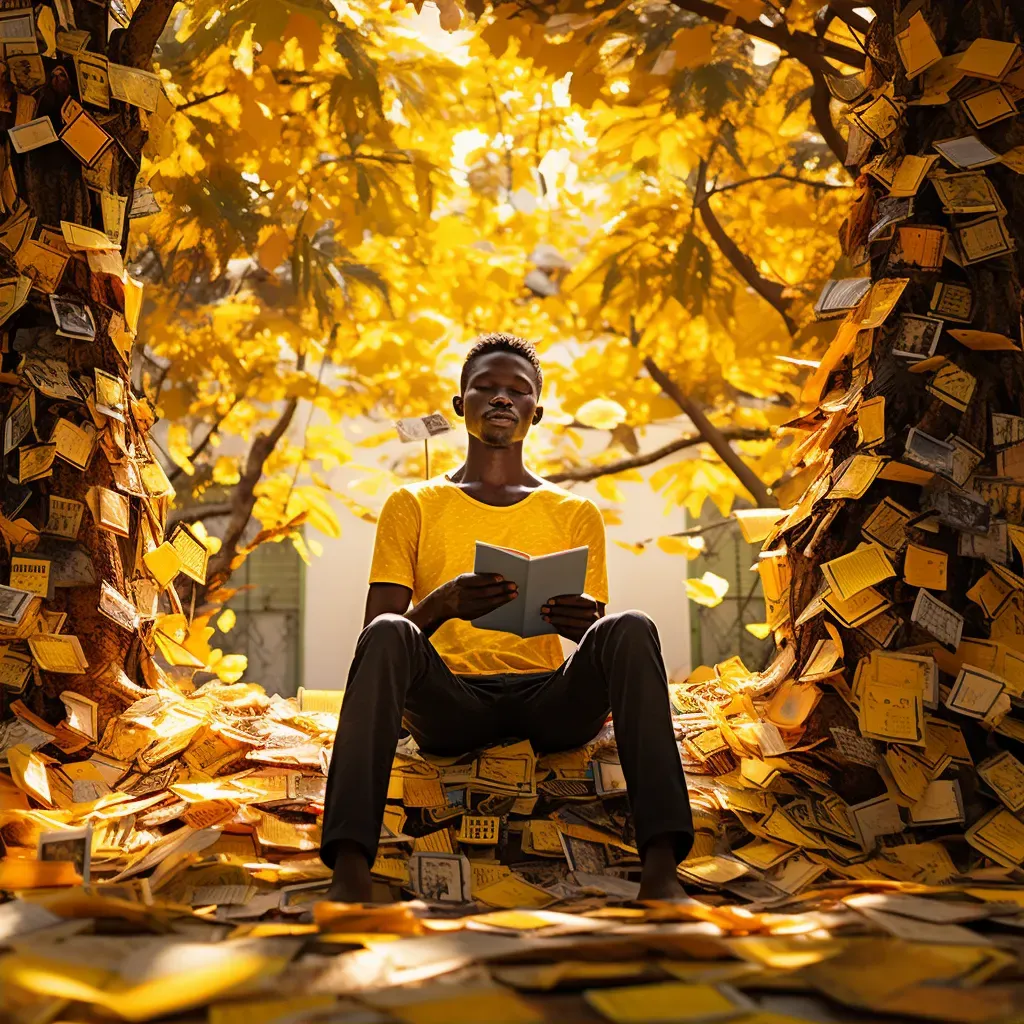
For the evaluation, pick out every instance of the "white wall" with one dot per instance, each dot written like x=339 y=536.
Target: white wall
x=651 y=582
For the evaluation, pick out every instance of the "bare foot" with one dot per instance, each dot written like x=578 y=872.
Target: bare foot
x=352 y=881
x=659 y=880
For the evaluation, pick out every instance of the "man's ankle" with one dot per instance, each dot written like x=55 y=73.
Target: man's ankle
x=352 y=881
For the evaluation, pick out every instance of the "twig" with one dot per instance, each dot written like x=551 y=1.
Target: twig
x=777 y=176
x=203 y=99
x=806 y=48
x=582 y=474
x=773 y=292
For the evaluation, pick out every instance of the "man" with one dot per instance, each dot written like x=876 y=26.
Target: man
x=420 y=658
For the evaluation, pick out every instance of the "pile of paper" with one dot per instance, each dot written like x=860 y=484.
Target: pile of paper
x=844 y=952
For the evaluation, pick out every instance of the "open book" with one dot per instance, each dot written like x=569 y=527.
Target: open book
x=539 y=578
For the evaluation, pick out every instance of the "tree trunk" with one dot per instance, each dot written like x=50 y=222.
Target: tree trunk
x=835 y=526
x=50 y=182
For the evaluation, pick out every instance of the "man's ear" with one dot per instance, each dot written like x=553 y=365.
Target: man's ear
x=538 y=415
x=458 y=405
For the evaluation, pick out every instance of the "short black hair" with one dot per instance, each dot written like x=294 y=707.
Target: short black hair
x=500 y=341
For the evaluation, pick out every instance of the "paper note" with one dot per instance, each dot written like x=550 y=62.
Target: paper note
x=999 y=835
x=975 y=692
x=857 y=477
x=917 y=47
x=30 y=574
x=857 y=570
x=988 y=58
x=988 y=107
x=74 y=442
x=871 y=422
x=1005 y=776
x=925 y=567
x=887 y=525
x=58 y=653
x=192 y=553
x=938 y=619
x=892 y=713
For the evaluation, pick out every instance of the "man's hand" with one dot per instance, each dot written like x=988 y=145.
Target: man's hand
x=471 y=595
x=571 y=615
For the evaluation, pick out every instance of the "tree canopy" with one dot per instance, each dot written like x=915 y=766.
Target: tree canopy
x=353 y=193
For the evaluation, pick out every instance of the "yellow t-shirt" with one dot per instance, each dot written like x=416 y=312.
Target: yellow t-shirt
x=427 y=534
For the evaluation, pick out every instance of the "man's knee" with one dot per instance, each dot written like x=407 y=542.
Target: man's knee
x=390 y=631
x=629 y=623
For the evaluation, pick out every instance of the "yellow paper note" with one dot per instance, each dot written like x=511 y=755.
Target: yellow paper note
x=666 y=1001
x=988 y=58
x=925 y=567
x=55 y=652
x=30 y=574
x=1005 y=775
x=857 y=570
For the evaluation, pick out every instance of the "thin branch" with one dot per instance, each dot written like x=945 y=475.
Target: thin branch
x=210 y=434
x=777 y=176
x=192 y=513
x=771 y=291
x=806 y=48
x=203 y=99
x=245 y=498
x=846 y=12
x=692 y=531
x=139 y=40
x=821 y=111
x=582 y=474
x=712 y=434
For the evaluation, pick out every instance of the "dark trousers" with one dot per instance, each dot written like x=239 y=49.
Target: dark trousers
x=396 y=674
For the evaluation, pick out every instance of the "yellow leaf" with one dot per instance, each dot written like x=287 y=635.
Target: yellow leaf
x=693 y=46
x=272 y=246
x=226 y=620
x=231 y=667
x=601 y=413
x=689 y=546
x=708 y=590
x=635 y=548
x=225 y=470
x=759 y=629
x=609 y=489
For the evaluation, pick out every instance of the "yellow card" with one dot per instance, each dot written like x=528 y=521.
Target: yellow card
x=925 y=567
x=31 y=574
x=479 y=829
x=35 y=461
x=80 y=238
x=57 y=652
x=880 y=301
x=894 y=714
x=917 y=47
x=857 y=477
x=988 y=58
x=1005 y=775
x=985 y=341
x=920 y=246
x=910 y=174
x=887 y=525
x=871 y=422
x=86 y=139
x=113 y=511
x=666 y=1001
x=988 y=107
x=192 y=553
x=511 y=891
x=74 y=443
x=857 y=570
x=64 y=517
x=999 y=835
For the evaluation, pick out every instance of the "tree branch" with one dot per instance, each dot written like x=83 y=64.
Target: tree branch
x=205 y=443
x=139 y=39
x=796 y=179
x=582 y=474
x=821 y=111
x=712 y=434
x=804 y=47
x=191 y=513
x=244 y=498
x=202 y=99
x=845 y=11
x=771 y=291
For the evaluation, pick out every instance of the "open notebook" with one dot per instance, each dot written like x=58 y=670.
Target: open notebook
x=539 y=577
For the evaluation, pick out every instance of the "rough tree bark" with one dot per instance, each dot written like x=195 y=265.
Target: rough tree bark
x=50 y=182
x=996 y=285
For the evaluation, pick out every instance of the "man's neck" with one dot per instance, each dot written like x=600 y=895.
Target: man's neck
x=495 y=469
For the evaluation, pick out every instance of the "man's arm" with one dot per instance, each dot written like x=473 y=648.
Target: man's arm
x=466 y=597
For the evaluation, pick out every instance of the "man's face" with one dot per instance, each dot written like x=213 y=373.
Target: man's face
x=499 y=402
